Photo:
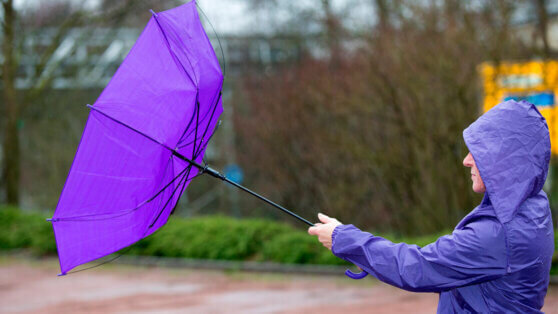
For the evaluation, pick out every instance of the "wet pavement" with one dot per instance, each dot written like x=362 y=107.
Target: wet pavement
x=28 y=286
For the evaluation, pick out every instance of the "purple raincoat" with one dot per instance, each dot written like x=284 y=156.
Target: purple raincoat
x=498 y=257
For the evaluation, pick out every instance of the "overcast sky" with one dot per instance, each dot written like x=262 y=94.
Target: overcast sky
x=237 y=17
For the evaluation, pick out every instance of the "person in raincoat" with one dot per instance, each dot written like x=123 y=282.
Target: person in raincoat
x=497 y=259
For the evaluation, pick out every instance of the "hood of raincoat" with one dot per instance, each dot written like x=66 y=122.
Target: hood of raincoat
x=511 y=147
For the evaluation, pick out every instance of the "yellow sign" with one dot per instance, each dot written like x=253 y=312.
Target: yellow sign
x=533 y=81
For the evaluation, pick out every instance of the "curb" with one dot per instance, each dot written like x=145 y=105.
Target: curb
x=225 y=265
x=267 y=267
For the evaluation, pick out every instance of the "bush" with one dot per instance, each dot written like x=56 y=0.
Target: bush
x=19 y=229
x=212 y=237
x=292 y=248
x=12 y=234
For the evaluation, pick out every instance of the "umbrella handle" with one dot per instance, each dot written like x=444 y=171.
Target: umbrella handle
x=352 y=275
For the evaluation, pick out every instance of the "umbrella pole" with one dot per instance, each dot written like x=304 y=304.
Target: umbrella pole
x=216 y=174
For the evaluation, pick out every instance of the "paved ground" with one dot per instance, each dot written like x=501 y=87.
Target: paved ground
x=33 y=287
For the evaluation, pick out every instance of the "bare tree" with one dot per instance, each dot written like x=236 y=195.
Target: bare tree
x=377 y=140
x=11 y=157
x=542 y=15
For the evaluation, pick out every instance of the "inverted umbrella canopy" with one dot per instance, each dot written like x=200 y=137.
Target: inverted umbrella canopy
x=131 y=166
x=144 y=142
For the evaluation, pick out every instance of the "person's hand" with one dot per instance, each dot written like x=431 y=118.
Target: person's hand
x=324 y=230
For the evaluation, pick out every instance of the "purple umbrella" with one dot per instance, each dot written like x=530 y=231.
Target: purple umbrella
x=143 y=142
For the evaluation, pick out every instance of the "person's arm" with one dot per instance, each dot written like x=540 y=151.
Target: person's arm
x=472 y=255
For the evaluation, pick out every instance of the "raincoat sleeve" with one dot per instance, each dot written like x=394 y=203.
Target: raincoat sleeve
x=473 y=254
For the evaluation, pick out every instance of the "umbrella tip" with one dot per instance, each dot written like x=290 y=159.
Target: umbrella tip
x=153 y=12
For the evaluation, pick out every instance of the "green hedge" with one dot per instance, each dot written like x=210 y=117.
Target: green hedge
x=19 y=229
x=213 y=237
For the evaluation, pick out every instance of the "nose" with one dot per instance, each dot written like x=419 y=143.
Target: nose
x=468 y=161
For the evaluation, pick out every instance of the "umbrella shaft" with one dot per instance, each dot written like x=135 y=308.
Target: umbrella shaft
x=268 y=201
x=218 y=175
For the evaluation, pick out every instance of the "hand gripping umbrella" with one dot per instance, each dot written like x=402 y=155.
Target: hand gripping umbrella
x=143 y=142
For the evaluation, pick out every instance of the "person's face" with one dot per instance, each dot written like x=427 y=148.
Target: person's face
x=478 y=185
